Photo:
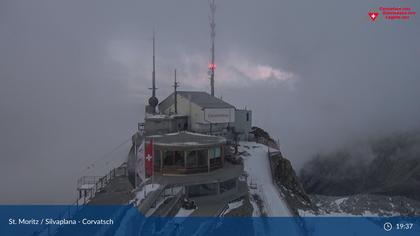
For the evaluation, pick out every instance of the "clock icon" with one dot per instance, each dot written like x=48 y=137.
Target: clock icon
x=387 y=226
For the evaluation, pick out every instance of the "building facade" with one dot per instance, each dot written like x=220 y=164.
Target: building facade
x=206 y=114
x=196 y=163
x=185 y=152
x=243 y=123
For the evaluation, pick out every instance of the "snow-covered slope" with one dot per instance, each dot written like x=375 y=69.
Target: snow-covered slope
x=363 y=205
x=256 y=165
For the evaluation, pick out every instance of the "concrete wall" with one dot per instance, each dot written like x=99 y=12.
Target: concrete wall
x=187 y=108
x=243 y=123
x=157 y=126
x=196 y=120
x=164 y=125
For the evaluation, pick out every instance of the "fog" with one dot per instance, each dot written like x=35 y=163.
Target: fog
x=74 y=77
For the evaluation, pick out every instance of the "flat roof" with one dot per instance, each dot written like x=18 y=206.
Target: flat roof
x=205 y=100
x=185 y=139
x=202 y=99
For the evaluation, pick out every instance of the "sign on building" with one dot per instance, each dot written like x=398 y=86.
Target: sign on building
x=219 y=115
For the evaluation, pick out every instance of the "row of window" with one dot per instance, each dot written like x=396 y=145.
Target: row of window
x=194 y=158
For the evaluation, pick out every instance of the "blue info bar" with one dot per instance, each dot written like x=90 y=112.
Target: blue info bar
x=127 y=220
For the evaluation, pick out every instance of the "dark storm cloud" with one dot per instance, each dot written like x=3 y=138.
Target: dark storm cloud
x=74 y=77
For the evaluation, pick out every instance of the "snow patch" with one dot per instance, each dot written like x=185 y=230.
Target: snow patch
x=340 y=200
x=232 y=206
x=182 y=215
x=145 y=191
x=184 y=212
x=257 y=166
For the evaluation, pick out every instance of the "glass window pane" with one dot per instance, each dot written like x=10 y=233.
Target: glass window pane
x=217 y=152
x=202 y=157
x=157 y=159
x=211 y=153
x=191 y=159
x=179 y=158
x=168 y=158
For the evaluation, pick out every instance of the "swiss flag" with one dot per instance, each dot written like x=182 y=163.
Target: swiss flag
x=373 y=15
x=148 y=154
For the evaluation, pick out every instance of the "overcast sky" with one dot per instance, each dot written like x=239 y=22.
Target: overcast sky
x=74 y=77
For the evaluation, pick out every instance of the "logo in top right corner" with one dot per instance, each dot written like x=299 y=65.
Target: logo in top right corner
x=392 y=13
x=373 y=15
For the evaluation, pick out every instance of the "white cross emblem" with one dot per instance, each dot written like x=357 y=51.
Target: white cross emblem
x=149 y=157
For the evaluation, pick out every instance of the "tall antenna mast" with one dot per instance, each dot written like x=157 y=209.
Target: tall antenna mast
x=212 y=65
x=154 y=71
x=176 y=85
x=153 y=101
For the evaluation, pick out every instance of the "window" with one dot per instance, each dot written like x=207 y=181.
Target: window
x=217 y=152
x=247 y=116
x=214 y=152
x=157 y=159
x=211 y=153
x=168 y=158
x=191 y=159
x=197 y=158
x=179 y=158
x=202 y=158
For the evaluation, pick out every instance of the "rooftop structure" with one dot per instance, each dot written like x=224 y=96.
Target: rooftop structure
x=163 y=124
x=199 y=98
x=206 y=114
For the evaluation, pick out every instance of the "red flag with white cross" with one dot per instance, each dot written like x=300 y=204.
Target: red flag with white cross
x=148 y=154
x=373 y=15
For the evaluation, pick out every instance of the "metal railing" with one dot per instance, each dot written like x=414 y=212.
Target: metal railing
x=88 y=186
x=97 y=183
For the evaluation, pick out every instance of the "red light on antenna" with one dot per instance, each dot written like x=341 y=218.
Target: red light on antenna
x=212 y=66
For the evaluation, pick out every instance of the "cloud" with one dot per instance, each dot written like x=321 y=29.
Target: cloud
x=232 y=71
x=130 y=57
x=240 y=67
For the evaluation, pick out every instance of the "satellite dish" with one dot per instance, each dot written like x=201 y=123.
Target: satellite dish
x=153 y=101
